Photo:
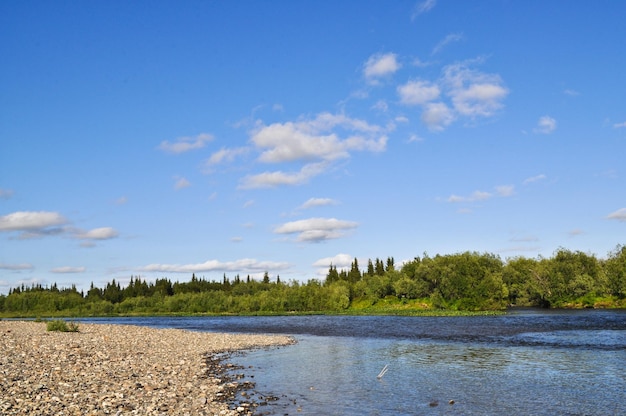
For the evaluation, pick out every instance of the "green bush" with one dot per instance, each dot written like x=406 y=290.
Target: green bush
x=62 y=326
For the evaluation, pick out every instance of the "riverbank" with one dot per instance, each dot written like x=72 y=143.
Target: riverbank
x=116 y=369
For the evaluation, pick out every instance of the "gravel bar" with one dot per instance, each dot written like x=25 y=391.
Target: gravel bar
x=116 y=370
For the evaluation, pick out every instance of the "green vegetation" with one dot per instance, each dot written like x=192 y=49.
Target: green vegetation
x=453 y=283
x=61 y=326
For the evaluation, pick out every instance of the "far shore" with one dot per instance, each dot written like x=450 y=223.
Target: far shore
x=118 y=369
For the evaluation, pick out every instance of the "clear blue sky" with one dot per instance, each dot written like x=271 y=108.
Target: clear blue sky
x=165 y=138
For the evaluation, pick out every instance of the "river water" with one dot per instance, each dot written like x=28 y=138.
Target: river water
x=527 y=362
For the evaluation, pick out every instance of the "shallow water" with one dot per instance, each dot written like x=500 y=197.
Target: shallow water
x=525 y=362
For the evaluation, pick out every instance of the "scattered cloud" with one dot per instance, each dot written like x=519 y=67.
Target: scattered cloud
x=414 y=138
x=248 y=203
x=317 y=202
x=380 y=65
x=461 y=91
x=475 y=196
x=502 y=191
x=181 y=183
x=381 y=105
x=68 y=269
x=317 y=139
x=422 y=7
x=121 y=200
x=316 y=229
x=545 y=125
x=241 y=266
x=532 y=179
x=505 y=190
x=224 y=156
x=33 y=224
x=437 y=116
x=571 y=93
x=575 y=232
x=619 y=215
x=340 y=261
x=44 y=223
x=236 y=239
x=317 y=142
x=473 y=93
x=6 y=193
x=451 y=38
x=185 y=144
x=619 y=125
x=418 y=92
x=103 y=233
x=16 y=266
x=279 y=178
x=524 y=239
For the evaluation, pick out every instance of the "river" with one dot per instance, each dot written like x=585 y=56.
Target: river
x=531 y=362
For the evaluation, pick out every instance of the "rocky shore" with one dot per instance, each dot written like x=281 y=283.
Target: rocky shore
x=118 y=370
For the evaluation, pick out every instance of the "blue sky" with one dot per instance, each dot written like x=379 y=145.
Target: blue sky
x=167 y=138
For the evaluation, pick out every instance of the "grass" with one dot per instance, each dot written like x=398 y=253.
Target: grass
x=59 y=325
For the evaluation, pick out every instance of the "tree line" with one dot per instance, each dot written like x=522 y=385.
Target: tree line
x=462 y=281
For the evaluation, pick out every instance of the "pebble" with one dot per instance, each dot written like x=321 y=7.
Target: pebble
x=115 y=370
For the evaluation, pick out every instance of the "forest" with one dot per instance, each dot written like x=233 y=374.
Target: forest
x=468 y=281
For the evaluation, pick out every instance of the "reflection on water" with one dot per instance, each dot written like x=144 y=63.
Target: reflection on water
x=338 y=376
x=526 y=362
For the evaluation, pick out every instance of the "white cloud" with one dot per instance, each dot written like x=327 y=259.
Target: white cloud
x=451 y=38
x=225 y=156
x=103 y=233
x=68 y=269
x=534 y=179
x=380 y=65
x=575 y=232
x=545 y=125
x=437 y=116
x=502 y=191
x=619 y=125
x=381 y=105
x=526 y=239
x=316 y=229
x=571 y=93
x=414 y=138
x=619 y=215
x=16 y=266
x=418 y=92
x=316 y=139
x=340 y=261
x=31 y=221
x=121 y=200
x=6 y=193
x=505 y=190
x=181 y=183
x=278 y=178
x=475 y=196
x=422 y=7
x=473 y=93
x=236 y=239
x=317 y=202
x=185 y=144
x=242 y=266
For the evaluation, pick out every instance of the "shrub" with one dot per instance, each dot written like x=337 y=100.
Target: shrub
x=62 y=326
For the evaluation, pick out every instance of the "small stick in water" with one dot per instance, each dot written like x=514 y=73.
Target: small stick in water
x=382 y=372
